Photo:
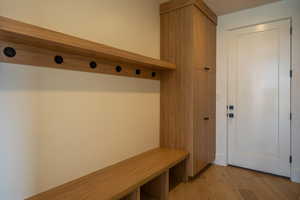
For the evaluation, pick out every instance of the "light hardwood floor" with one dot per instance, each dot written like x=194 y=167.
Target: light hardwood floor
x=231 y=183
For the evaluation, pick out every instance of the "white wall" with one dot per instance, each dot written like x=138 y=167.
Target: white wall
x=58 y=125
x=267 y=13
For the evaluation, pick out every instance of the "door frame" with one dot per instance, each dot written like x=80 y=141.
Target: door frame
x=283 y=108
x=222 y=60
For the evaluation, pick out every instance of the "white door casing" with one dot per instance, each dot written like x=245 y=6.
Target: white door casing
x=259 y=90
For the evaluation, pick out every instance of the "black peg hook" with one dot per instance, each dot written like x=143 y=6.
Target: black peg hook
x=118 y=68
x=138 y=72
x=93 y=65
x=58 y=59
x=9 y=52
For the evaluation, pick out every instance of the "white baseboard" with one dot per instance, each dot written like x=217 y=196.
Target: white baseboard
x=295 y=175
x=221 y=160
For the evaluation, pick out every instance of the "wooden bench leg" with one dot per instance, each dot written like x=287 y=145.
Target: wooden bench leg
x=136 y=195
x=159 y=187
x=179 y=173
x=164 y=186
x=185 y=177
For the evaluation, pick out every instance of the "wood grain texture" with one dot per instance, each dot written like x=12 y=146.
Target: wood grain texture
x=231 y=183
x=178 y=4
x=30 y=35
x=119 y=180
x=177 y=86
x=188 y=38
x=34 y=56
x=204 y=91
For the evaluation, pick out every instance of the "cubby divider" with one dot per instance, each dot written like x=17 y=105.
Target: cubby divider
x=135 y=195
x=156 y=189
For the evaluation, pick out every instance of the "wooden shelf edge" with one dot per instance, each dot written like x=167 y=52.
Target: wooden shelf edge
x=30 y=35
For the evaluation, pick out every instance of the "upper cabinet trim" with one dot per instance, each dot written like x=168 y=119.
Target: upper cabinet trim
x=177 y=4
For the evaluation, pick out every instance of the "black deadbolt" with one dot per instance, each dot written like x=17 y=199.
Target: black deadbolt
x=59 y=59
x=231 y=115
x=138 y=72
x=153 y=74
x=118 y=68
x=206 y=68
x=206 y=118
x=9 y=52
x=93 y=64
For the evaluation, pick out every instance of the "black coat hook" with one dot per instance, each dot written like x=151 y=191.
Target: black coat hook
x=9 y=52
x=138 y=72
x=93 y=64
x=118 y=68
x=58 y=59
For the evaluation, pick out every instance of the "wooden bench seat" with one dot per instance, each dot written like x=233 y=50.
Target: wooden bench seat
x=119 y=180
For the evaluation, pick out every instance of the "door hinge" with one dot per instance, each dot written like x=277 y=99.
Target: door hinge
x=291 y=30
x=291 y=73
x=291 y=159
x=291 y=116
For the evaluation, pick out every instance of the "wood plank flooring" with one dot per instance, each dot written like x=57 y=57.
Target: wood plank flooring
x=232 y=183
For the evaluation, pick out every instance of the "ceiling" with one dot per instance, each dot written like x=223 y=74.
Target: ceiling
x=222 y=7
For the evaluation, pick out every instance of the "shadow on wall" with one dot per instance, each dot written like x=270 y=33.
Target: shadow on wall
x=67 y=80
x=54 y=120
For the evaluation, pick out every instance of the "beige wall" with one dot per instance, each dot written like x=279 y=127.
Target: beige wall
x=57 y=125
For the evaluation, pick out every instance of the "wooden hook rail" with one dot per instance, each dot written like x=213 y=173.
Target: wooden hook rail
x=22 y=43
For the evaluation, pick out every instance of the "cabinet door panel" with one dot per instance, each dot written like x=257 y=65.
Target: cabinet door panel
x=201 y=93
x=204 y=142
x=211 y=44
x=211 y=61
x=204 y=118
x=210 y=130
x=211 y=92
x=200 y=146
x=201 y=40
x=211 y=97
x=205 y=91
x=200 y=106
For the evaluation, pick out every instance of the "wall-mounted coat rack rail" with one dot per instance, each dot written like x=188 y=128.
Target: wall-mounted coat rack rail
x=22 y=43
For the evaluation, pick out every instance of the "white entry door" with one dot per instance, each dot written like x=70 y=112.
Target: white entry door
x=259 y=98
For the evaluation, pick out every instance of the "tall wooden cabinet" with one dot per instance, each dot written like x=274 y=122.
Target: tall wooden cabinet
x=188 y=100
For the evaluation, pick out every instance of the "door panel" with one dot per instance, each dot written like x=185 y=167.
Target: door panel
x=259 y=89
